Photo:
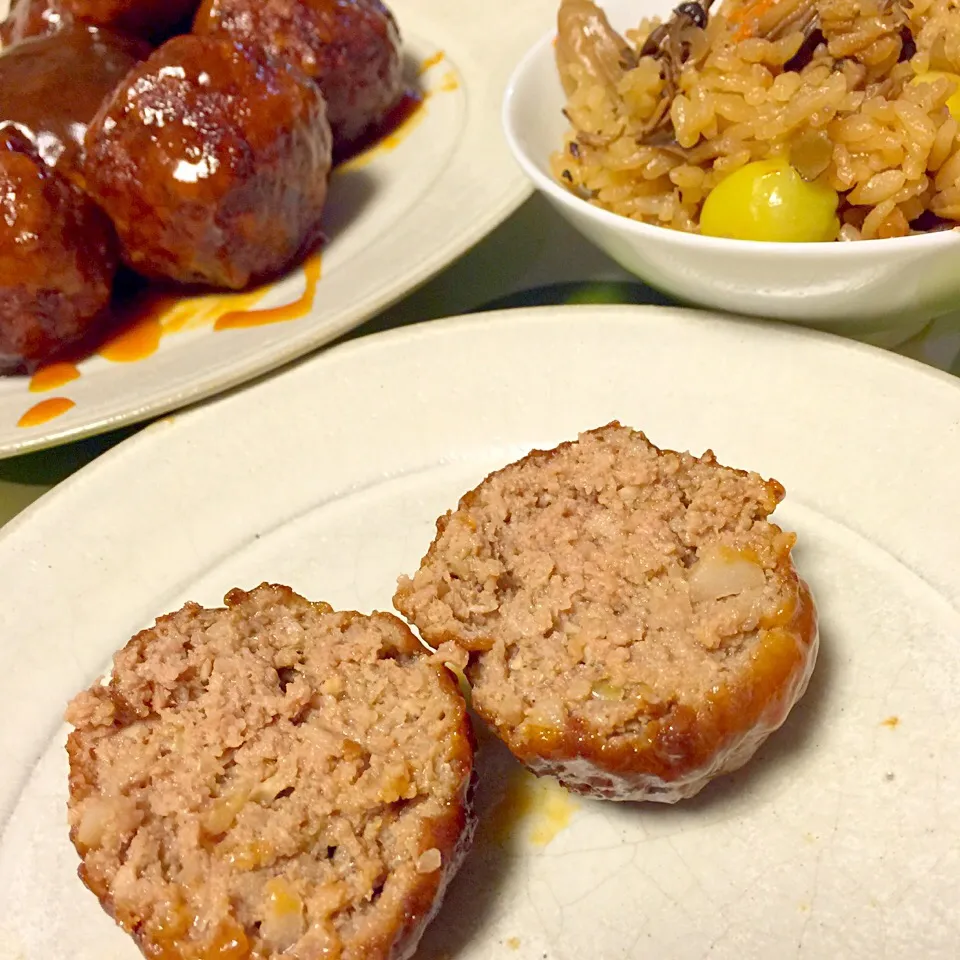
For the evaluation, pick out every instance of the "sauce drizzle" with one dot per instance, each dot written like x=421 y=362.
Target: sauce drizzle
x=134 y=343
x=243 y=319
x=45 y=411
x=53 y=377
x=152 y=314
x=430 y=62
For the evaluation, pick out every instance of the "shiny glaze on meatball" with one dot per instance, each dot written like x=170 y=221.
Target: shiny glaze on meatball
x=212 y=161
x=32 y=18
x=351 y=48
x=58 y=258
x=52 y=87
x=151 y=19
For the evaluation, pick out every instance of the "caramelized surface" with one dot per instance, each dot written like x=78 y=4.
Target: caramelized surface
x=51 y=87
x=212 y=161
x=351 y=48
x=57 y=258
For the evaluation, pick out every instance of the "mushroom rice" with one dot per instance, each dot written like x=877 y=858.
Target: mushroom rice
x=839 y=115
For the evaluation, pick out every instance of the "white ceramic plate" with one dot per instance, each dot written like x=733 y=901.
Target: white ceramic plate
x=393 y=222
x=838 y=841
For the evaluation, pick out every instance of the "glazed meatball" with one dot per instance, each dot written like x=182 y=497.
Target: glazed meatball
x=351 y=48
x=151 y=19
x=57 y=258
x=212 y=160
x=32 y=18
x=52 y=87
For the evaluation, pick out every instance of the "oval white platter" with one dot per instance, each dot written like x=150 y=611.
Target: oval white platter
x=394 y=219
x=838 y=841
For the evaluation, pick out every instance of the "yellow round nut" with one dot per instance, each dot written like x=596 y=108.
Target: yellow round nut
x=768 y=200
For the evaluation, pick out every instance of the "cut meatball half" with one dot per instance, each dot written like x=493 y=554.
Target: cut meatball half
x=630 y=620
x=271 y=779
x=212 y=160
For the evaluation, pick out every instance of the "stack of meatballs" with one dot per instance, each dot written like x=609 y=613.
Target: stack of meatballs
x=191 y=143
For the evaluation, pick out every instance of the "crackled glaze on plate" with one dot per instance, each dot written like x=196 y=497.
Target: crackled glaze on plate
x=838 y=841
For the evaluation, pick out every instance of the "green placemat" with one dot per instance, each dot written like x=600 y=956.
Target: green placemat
x=518 y=265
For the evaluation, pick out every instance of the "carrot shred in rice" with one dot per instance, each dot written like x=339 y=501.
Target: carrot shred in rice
x=748 y=17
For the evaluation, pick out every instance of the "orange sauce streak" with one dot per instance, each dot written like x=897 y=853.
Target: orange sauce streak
x=449 y=82
x=190 y=313
x=891 y=722
x=53 y=377
x=243 y=319
x=431 y=62
x=396 y=127
x=178 y=317
x=134 y=343
x=45 y=411
x=148 y=316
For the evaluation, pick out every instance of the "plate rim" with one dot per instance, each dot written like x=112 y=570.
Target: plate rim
x=250 y=373
x=429 y=329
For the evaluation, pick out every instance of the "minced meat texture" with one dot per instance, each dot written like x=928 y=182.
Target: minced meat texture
x=271 y=778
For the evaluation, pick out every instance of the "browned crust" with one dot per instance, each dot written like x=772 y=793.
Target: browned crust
x=451 y=833
x=453 y=836
x=691 y=743
x=688 y=744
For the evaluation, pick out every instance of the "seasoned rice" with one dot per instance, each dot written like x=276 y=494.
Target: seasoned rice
x=825 y=84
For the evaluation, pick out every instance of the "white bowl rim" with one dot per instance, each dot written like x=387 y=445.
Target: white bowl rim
x=914 y=244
